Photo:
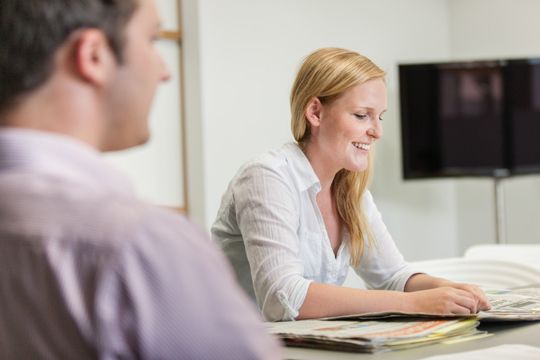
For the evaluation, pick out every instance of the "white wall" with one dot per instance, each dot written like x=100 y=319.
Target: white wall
x=246 y=53
x=240 y=60
x=484 y=29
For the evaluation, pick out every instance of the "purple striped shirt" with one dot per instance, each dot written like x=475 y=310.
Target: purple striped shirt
x=88 y=271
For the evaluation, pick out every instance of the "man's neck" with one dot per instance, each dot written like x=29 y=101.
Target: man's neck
x=59 y=108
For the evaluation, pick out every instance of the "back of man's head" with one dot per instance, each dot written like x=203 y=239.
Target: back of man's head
x=32 y=31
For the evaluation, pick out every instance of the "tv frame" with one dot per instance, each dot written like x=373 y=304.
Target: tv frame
x=506 y=167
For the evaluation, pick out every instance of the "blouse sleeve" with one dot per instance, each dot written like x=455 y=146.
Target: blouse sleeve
x=267 y=210
x=382 y=266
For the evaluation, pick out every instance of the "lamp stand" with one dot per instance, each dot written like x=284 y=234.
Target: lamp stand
x=500 y=214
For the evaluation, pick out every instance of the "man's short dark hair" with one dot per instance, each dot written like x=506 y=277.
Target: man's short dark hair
x=32 y=30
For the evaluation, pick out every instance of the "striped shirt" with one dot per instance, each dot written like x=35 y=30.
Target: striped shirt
x=87 y=271
x=272 y=231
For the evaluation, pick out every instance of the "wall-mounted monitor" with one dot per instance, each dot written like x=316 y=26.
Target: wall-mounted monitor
x=475 y=118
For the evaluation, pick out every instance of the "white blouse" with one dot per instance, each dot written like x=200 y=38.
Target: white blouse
x=272 y=231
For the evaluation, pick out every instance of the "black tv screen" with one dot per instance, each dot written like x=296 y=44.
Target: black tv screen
x=478 y=118
x=523 y=114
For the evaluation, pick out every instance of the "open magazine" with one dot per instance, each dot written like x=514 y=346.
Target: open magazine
x=512 y=305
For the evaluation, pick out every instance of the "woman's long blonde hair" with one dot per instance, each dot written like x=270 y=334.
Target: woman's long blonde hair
x=326 y=74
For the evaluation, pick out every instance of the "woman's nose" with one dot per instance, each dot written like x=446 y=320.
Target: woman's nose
x=375 y=131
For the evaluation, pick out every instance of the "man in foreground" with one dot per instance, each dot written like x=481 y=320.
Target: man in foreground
x=87 y=270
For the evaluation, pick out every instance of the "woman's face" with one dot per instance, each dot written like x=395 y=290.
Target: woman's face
x=348 y=126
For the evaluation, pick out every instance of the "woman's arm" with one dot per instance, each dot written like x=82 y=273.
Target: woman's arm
x=323 y=300
x=267 y=214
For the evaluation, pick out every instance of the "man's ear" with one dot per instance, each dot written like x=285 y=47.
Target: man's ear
x=313 y=112
x=94 y=59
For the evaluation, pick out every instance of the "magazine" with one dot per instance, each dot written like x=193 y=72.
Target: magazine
x=512 y=305
x=506 y=305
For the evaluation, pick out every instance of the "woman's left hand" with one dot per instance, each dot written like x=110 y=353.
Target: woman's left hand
x=479 y=295
x=422 y=281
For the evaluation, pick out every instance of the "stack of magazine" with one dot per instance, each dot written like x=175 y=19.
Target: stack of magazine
x=375 y=332
x=373 y=335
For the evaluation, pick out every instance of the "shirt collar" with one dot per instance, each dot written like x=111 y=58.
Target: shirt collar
x=59 y=155
x=304 y=174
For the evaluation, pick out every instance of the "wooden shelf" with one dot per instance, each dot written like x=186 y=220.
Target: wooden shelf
x=170 y=35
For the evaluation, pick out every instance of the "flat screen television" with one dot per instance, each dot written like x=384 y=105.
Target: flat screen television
x=474 y=118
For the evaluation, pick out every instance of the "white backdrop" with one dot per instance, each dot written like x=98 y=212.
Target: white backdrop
x=240 y=60
x=241 y=57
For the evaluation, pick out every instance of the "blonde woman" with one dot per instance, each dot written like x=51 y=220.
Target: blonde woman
x=293 y=220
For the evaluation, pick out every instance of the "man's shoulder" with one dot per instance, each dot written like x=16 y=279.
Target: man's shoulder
x=103 y=219
x=133 y=221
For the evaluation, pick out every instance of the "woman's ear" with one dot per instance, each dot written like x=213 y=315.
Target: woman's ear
x=94 y=59
x=313 y=112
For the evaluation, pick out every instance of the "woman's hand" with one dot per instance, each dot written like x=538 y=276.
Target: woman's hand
x=481 y=299
x=440 y=296
x=460 y=299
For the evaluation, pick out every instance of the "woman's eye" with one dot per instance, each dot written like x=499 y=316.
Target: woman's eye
x=381 y=118
x=361 y=116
